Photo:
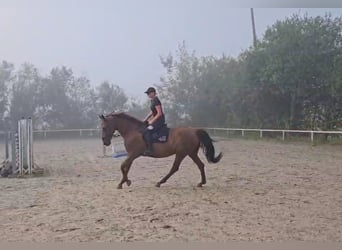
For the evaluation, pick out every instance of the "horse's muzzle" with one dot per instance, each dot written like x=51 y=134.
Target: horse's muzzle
x=106 y=143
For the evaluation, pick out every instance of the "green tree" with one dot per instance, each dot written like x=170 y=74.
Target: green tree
x=137 y=108
x=81 y=99
x=24 y=93
x=299 y=55
x=66 y=101
x=178 y=87
x=110 y=98
x=54 y=101
x=200 y=90
x=6 y=75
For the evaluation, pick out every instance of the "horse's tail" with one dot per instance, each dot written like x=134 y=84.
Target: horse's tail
x=207 y=146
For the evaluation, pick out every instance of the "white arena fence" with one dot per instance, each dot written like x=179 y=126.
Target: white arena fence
x=215 y=132
x=227 y=132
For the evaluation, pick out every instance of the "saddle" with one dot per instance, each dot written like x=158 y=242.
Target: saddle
x=161 y=135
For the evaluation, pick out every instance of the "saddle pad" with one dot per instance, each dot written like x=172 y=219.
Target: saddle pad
x=161 y=135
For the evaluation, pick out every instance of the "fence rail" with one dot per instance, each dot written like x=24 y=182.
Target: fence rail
x=80 y=131
x=210 y=129
x=282 y=131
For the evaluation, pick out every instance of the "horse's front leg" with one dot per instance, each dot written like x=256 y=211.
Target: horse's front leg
x=125 y=166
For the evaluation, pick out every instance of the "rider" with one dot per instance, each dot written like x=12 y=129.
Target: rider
x=157 y=120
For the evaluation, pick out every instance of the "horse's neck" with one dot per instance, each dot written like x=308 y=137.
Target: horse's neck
x=126 y=129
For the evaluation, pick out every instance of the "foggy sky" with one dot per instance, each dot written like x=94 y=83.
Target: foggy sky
x=121 y=41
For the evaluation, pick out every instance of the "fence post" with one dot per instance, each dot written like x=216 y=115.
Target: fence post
x=312 y=136
x=243 y=132
x=260 y=133
x=80 y=132
x=6 y=146
x=25 y=141
x=29 y=145
x=283 y=135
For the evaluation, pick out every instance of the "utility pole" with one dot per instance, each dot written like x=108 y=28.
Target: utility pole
x=253 y=27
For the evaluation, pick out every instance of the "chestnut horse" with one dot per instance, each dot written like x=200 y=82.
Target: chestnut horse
x=181 y=141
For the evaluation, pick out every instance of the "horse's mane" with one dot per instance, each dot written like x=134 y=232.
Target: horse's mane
x=126 y=116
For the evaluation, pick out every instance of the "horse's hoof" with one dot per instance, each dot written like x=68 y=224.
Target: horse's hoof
x=199 y=185
x=128 y=182
x=158 y=185
x=119 y=186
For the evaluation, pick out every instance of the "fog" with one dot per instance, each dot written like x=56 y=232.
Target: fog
x=121 y=42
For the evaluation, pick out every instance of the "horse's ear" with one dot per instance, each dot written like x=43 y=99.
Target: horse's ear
x=102 y=117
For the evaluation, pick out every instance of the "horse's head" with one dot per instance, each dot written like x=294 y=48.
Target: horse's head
x=108 y=129
x=118 y=121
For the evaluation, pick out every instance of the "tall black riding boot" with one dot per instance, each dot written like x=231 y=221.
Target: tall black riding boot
x=148 y=139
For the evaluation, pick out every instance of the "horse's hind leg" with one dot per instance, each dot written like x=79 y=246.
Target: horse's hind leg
x=200 y=165
x=173 y=169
